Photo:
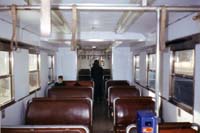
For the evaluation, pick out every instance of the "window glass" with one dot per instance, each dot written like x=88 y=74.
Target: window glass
x=50 y=66
x=151 y=79
x=50 y=61
x=4 y=63
x=137 y=68
x=5 y=90
x=32 y=62
x=151 y=73
x=137 y=74
x=34 y=81
x=137 y=61
x=182 y=77
x=5 y=78
x=34 y=72
x=152 y=62
x=183 y=90
x=184 y=62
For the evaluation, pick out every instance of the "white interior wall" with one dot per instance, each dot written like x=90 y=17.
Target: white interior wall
x=21 y=73
x=122 y=64
x=43 y=74
x=197 y=86
x=66 y=63
x=143 y=69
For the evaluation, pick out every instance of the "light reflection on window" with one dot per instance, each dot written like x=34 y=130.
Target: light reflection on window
x=5 y=78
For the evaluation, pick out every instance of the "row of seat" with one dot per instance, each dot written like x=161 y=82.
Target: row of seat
x=169 y=127
x=124 y=101
x=69 y=106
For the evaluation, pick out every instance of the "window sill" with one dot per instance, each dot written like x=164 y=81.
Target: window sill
x=33 y=91
x=52 y=82
x=2 y=107
x=181 y=105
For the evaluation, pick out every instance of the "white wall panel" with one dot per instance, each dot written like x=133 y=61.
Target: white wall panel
x=43 y=73
x=166 y=74
x=172 y=113
x=15 y=114
x=122 y=63
x=66 y=63
x=21 y=73
x=183 y=28
x=197 y=86
x=143 y=69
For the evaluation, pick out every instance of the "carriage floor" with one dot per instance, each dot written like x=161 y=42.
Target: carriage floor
x=101 y=122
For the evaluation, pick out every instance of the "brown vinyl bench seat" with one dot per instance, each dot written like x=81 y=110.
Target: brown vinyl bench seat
x=125 y=111
x=45 y=129
x=110 y=83
x=120 y=91
x=45 y=111
x=71 y=92
x=169 y=127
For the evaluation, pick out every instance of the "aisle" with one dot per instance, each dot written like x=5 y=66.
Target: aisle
x=101 y=123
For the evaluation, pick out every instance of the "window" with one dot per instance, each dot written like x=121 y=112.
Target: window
x=137 y=68
x=182 y=77
x=5 y=78
x=151 y=71
x=34 y=72
x=50 y=68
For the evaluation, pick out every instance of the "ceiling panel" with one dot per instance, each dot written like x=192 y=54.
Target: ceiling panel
x=98 y=21
x=145 y=24
x=177 y=2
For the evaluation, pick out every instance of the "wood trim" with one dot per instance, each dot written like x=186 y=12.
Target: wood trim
x=5 y=44
x=74 y=27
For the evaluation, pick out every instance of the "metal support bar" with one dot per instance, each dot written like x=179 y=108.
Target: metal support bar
x=74 y=28
x=107 y=7
x=157 y=87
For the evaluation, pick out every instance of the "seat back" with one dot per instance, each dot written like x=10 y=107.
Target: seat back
x=110 y=83
x=125 y=109
x=71 y=92
x=121 y=91
x=79 y=83
x=175 y=127
x=45 y=111
x=44 y=129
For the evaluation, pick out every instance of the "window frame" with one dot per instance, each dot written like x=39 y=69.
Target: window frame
x=172 y=98
x=149 y=70
x=10 y=75
x=34 y=71
x=51 y=68
x=136 y=68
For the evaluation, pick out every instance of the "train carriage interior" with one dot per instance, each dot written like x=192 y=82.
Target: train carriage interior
x=99 y=66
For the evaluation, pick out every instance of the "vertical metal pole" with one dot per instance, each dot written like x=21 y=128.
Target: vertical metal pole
x=157 y=87
x=74 y=27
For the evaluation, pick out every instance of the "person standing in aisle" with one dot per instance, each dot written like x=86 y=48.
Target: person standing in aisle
x=97 y=76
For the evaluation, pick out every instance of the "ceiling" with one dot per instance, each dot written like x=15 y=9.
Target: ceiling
x=101 y=22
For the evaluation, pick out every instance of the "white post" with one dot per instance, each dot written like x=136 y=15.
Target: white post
x=157 y=87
